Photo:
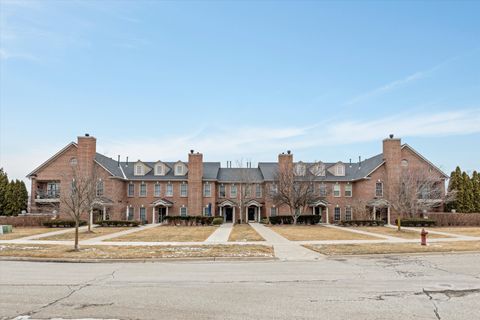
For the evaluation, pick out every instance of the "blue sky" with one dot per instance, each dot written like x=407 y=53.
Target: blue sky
x=152 y=80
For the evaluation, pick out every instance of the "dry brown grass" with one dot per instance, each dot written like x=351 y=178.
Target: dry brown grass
x=403 y=234
x=134 y=252
x=384 y=248
x=305 y=233
x=21 y=232
x=170 y=234
x=467 y=231
x=83 y=235
x=244 y=232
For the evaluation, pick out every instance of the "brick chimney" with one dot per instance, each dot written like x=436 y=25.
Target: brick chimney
x=87 y=147
x=392 y=155
x=285 y=161
x=195 y=185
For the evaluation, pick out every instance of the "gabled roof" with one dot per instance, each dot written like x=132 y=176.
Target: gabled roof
x=240 y=175
x=353 y=172
x=124 y=171
x=426 y=160
x=55 y=156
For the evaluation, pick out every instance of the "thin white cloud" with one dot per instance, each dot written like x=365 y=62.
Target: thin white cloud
x=262 y=143
x=406 y=80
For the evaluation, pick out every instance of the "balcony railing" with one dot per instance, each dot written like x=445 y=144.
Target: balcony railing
x=48 y=194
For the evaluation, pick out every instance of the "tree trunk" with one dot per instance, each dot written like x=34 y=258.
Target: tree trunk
x=76 y=248
x=90 y=221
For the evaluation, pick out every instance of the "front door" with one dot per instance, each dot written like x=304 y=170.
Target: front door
x=318 y=212
x=228 y=214
x=162 y=213
x=97 y=215
x=251 y=214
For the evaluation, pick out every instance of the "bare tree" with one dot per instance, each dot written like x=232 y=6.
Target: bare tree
x=295 y=189
x=419 y=190
x=361 y=209
x=245 y=192
x=79 y=197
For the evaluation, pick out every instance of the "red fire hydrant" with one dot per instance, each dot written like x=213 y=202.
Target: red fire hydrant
x=423 y=234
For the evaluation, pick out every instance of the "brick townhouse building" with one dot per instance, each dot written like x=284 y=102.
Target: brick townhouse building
x=151 y=190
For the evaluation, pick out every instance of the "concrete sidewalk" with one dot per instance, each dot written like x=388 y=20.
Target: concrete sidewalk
x=220 y=235
x=119 y=234
x=54 y=233
x=284 y=249
x=376 y=235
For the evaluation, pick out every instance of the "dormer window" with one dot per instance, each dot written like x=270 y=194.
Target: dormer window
x=139 y=170
x=159 y=170
x=318 y=170
x=300 y=169
x=180 y=169
x=340 y=170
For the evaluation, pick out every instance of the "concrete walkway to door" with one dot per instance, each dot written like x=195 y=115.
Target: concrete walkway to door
x=284 y=249
x=220 y=235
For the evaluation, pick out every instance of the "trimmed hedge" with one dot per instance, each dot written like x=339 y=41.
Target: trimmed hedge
x=416 y=222
x=368 y=223
x=455 y=219
x=189 y=220
x=57 y=223
x=119 y=223
x=306 y=219
x=217 y=221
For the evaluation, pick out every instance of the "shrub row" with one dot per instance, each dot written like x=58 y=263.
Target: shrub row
x=119 y=223
x=190 y=220
x=416 y=222
x=369 y=223
x=306 y=219
x=57 y=223
x=455 y=219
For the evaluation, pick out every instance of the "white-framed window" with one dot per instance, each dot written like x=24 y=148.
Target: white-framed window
x=207 y=189
x=323 y=190
x=273 y=212
x=258 y=190
x=184 y=190
x=348 y=190
x=379 y=189
x=205 y=211
x=73 y=161
x=337 y=214
x=169 y=191
x=318 y=170
x=157 y=189
x=130 y=213
x=233 y=191
x=348 y=213
x=143 y=215
x=100 y=188
x=336 y=190
x=143 y=189
x=300 y=169
x=159 y=170
x=273 y=188
x=340 y=170
x=179 y=170
x=221 y=191
x=131 y=189
x=248 y=191
x=183 y=211
x=404 y=163
x=139 y=170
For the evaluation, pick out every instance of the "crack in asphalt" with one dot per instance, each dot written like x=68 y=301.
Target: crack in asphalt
x=81 y=286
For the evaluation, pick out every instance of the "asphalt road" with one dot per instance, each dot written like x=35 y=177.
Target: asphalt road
x=389 y=287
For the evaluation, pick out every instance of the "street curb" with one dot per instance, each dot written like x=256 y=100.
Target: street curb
x=370 y=255
x=144 y=260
